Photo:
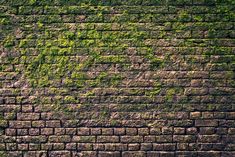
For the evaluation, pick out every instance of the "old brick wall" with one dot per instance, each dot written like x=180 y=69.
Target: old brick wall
x=110 y=78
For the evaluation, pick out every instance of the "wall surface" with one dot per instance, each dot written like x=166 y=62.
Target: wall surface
x=110 y=78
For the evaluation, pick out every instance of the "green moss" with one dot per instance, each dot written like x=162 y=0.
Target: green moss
x=70 y=99
x=112 y=59
x=155 y=91
x=5 y=21
x=114 y=122
x=40 y=25
x=32 y=2
x=104 y=114
x=184 y=16
x=172 y=92
x=51 y=56
x=8 y=41
x=23 y=43
x=3 y=123
x=89 y=93
x=3 y=154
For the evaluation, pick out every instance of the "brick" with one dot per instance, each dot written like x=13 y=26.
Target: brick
x=98 y=146
x=22 y=146
x=38 y=123
x=109 y=146
x=207 y=130
x=134 y=146
x=71 y=146
x=164 y=138
x=83 y=131
x=28 y=116
x=150 y=138
x=2 y=147
x=131 y=139
x=191 y=131
x=34 y=131
x=62 y=138
x=86 y=153
x=155 y=131
x=95 y=131
x=21 y=132
x=119 y=131
x=153 y=154
x=59 y=153
x=71 y=131
x=109 y=139
x=53 y=124
x=34 y=147
x=208 y=138
x=59 y=131
x=133 y=154
x=46 y=131
x=109 y=154
x=27 y=108
x=86 y=139
x=121 y=147
x=206 y=123
x=58 y=146
x=10 y=132
x=146 y=146
x=35 y=153
x=19 y=124
x=184 y=138
x=107 y=131
x=131 y=131
x=195 y=115
x=143 y=131
x=179 y=130
x=47 y=146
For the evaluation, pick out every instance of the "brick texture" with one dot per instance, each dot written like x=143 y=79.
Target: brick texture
x=112 y=78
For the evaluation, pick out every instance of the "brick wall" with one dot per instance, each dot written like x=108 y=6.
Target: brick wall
x=109 y=78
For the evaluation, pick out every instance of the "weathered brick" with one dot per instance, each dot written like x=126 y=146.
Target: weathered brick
x=86 y=139
x=34 y=131
x=83 y=131
x=58 y=146
x=95 y=131
x=62 y=138
x=131 y=139
x=206 y=123
x=59 y=153
x=146 y=146
x=71 y=131
x=109 y=154
x=28 y=116
x=131 y=131
x=22 y=132
x=22 y=146
x=134 y=146
x=46 y=131
x=10 y=132
x=53 y=124
x=107 y=131
x=184 y=138
x=208 y=138
x=133 y=154
x=119 y=131
x=19 y=124
x=109 y=139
